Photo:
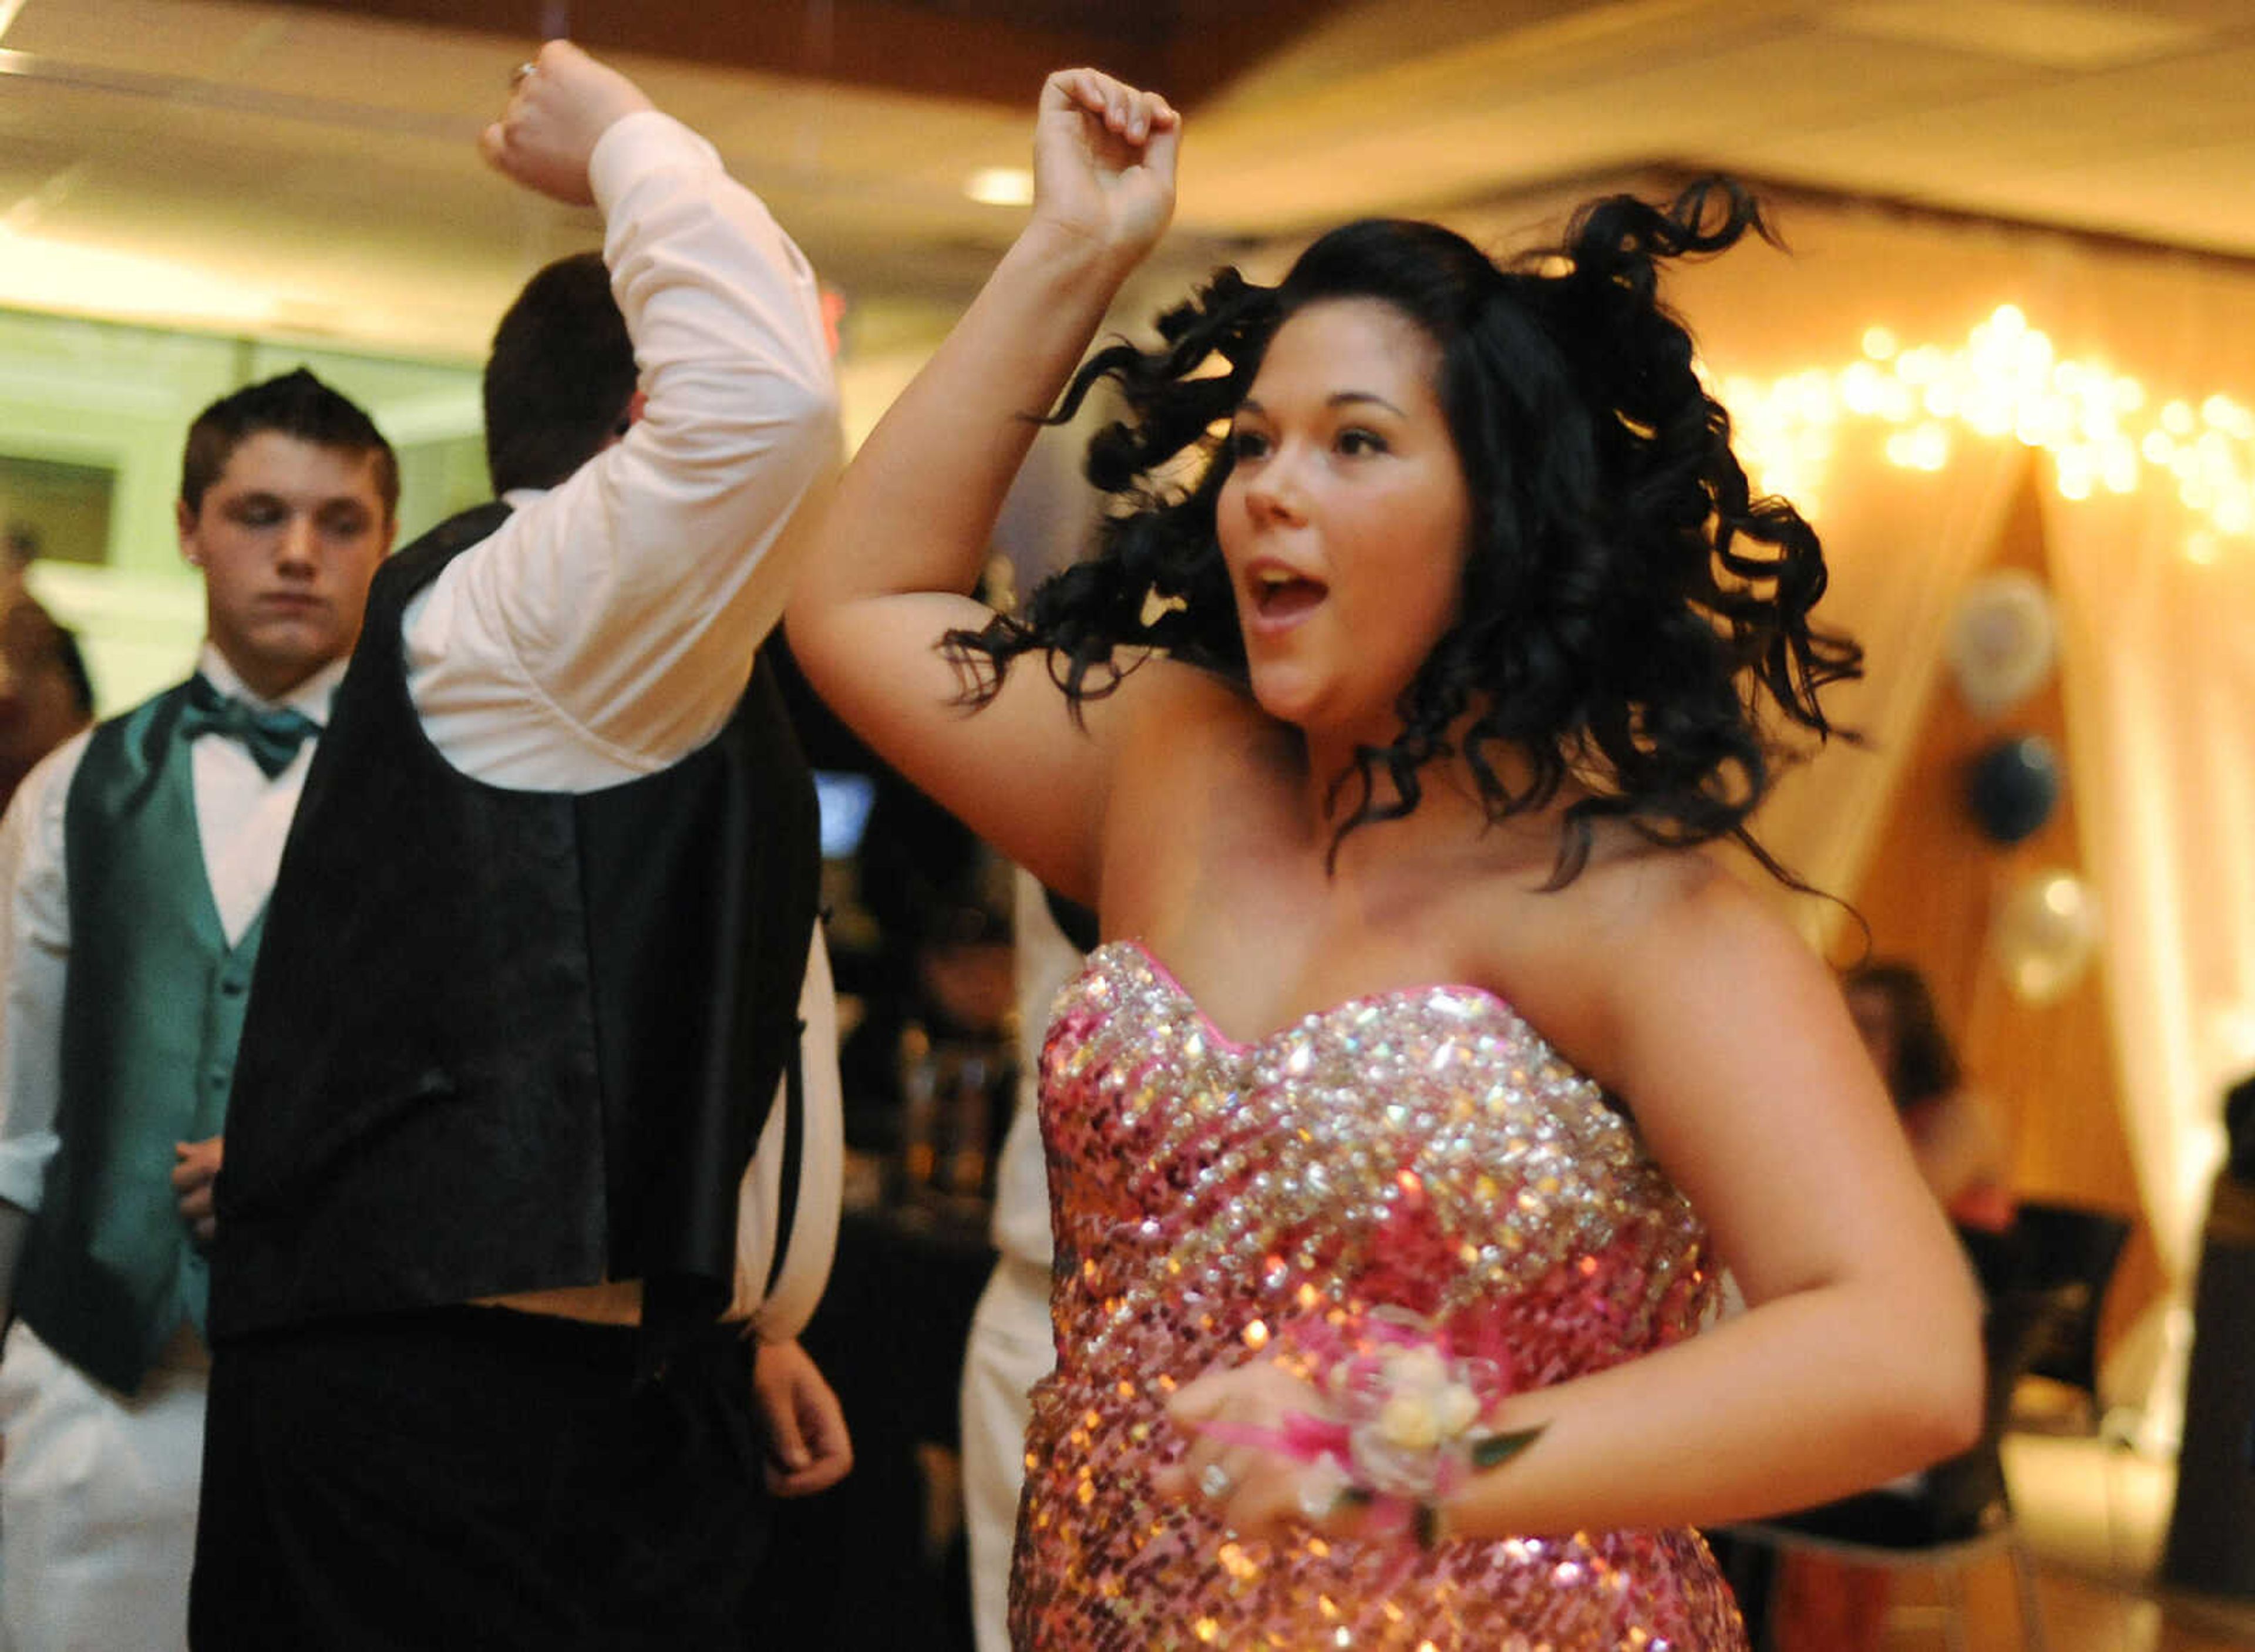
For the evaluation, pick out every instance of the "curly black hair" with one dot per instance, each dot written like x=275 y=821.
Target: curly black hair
x=1627 y=605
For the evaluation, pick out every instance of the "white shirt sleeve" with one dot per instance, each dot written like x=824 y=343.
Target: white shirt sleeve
x=34 y=957
x=608 y=628
x=812 y=1240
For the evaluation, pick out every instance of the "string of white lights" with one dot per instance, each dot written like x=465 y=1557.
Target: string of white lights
x=2102 y=429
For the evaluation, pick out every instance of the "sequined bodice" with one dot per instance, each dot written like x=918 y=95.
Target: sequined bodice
x=1424 y=1149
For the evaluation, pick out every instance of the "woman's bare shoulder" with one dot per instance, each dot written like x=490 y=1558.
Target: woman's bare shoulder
x=1642 y=926
x=1628 y=894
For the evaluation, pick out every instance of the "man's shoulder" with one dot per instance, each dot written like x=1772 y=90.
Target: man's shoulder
x=421 y=559
x=464 y=528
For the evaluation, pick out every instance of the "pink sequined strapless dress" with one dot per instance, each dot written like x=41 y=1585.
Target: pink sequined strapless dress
x=1423 y=1147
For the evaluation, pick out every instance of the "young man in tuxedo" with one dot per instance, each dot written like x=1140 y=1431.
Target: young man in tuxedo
x=135 y=865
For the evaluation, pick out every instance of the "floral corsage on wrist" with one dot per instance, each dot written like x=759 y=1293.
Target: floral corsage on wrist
x=1402 y=1429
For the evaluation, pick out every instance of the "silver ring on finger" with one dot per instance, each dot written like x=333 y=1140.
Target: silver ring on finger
x=520 y=73
x=1214 y=1481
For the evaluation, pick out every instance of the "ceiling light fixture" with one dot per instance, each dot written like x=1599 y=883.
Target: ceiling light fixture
x=1000 y=187
x=40 y=273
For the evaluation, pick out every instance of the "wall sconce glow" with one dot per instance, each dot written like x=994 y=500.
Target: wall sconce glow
x=2007 y=380
x=1000 y=187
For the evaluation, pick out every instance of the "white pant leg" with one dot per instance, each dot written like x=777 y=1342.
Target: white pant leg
x=1009 y=1350
x=97 y=1504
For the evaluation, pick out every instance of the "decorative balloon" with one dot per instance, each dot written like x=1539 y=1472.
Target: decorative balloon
x=2044 y=934
x=2002 y=640
x=2013 y=786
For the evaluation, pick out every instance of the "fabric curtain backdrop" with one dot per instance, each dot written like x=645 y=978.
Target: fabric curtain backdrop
x=2158 y=648
x=2159 y=680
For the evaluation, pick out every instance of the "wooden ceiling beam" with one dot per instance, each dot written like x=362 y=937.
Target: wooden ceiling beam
x=986 y=51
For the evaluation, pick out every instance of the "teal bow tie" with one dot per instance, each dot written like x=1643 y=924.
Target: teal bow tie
x=270 y=737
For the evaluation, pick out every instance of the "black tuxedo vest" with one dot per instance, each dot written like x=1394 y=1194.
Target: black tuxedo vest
x=502 y=1041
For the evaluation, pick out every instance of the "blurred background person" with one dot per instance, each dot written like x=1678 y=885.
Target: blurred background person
x=1955 y=1136
x=1820 y=1603
x=938 y=976
x=46 y=695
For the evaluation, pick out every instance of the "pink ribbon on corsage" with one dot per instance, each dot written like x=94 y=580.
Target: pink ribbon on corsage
x=1404 y=1429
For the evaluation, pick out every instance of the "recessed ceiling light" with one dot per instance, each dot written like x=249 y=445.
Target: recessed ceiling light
x=1000 y=187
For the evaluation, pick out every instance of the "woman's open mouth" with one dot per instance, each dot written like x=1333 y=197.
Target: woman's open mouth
x=1281 y=597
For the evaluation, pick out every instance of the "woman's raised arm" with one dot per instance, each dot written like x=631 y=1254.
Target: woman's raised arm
x=903 y=540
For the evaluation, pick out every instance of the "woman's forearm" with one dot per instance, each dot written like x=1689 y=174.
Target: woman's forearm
x=914 y=510
x=1808 y=1398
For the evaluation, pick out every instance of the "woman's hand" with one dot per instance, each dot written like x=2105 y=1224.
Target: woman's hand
x=1104 y=162
x=1251 y=1490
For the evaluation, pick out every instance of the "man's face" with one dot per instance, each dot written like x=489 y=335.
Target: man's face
x=288 y=538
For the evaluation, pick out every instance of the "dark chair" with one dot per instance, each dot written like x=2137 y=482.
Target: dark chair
x=2070 y=1251
x=1957 y=1512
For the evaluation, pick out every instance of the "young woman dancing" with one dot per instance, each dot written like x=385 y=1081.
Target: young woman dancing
x=1430 y=1067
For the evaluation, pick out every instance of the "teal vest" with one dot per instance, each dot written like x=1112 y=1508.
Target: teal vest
x=152 y=1011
